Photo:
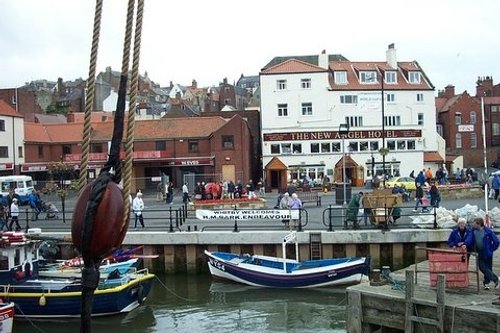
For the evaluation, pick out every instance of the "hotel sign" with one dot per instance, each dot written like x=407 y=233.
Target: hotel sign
x=335 y=135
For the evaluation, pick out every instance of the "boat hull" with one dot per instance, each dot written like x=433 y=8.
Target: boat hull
x=6 y=317
x=53 y=304
x=352 y=272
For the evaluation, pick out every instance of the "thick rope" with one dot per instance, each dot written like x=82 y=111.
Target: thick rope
x=89 y=100
x=134 y=84
x=110 y=171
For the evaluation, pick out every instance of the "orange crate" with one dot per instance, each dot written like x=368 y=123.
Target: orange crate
x=453 y=265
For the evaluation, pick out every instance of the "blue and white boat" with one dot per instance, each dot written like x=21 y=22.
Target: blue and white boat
x=38 y=297
x=265 y=271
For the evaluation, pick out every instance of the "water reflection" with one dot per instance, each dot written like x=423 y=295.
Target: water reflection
x=189 y=304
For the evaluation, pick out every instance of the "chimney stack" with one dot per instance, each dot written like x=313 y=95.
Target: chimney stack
x=194 y=84
x=323 y=60
x=171 y=84
x=390 y=55
x=449 y=91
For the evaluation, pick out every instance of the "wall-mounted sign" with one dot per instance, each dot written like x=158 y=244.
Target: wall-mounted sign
x=335 y=135
x=466 y=128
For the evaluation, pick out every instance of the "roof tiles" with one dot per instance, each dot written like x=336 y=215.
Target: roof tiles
x=293 y=66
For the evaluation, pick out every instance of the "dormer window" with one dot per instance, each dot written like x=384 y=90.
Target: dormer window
x=340 y=77
x=390 y=77
x=414 y=77
x=368 y=77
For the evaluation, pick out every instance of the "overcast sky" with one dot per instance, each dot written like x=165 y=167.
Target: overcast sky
x=455 y=41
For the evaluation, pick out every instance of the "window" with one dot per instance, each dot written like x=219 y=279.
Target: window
x=420 y=97
x=325 y=147
x=305 y=83
x=472 y=117
x=228 y=141
x=340 y=77
x=275 y=149
x=40 y=151
x=363 y=146
x=392 y=120
x=353 y=146
x=66 y=149
x=336 y=147
x=420 y=119
x=495 y=108
x=2 y=125
x=414 y=77
x=314 y=148
x=496 y=129
x=458 y=118
x=193 y=146
x=348 y=99
x=14 y=100
x=281 y=84
x=391 y=145
x=374 y=145
x=307 y=109
x=96 y=148
x=4 y=151
x=19 y=151
x=227 y=101
x=410 y=144
x=458 y=140
x=286 y=148
x=401 y=144
x=368 y=77
x=390 y=98
x=473 y=140
x=297 y=148
x=160 y=145
x=390 y=77
x=282 y=110
x=354 y=121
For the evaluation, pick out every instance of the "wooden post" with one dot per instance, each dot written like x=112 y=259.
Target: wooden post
x=441 y=288
x=354 y=312
x=409 y=287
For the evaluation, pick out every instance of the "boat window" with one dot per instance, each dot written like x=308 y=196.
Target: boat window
x=4 y=263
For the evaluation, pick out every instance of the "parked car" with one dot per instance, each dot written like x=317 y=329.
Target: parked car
x=408 y=182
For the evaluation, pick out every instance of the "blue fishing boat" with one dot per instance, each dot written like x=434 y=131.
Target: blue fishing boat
x=38 y=297
x=266 y=271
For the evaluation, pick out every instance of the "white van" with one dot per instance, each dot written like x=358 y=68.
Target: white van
x=22 y=186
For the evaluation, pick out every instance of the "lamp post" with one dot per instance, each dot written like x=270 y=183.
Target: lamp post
x=383 y=127
x=373 y=170
x=343 y=131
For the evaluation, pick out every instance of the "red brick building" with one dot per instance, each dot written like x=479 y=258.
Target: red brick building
x=192 y=149
x=459 y=121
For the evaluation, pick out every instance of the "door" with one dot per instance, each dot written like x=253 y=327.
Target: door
x=275 y=179
x=229 y=172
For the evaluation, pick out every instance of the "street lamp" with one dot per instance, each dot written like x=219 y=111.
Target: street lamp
x=343 y=131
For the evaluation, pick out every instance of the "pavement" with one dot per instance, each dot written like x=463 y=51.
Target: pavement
x=158 y=215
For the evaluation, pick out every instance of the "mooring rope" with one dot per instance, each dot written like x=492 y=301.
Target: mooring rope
x=89 y=99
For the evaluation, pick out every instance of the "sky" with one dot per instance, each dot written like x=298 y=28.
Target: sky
x=454 y=41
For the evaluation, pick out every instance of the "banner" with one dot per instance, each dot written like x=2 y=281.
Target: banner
x=257 y=214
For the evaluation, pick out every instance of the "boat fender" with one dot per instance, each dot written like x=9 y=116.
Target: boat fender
x=42 y=301
x=140 y=294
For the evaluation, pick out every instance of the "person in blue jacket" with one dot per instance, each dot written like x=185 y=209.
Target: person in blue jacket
x=461 y=236
x=485 y=242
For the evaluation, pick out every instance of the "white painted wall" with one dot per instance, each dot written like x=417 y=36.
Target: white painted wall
x=13 y=138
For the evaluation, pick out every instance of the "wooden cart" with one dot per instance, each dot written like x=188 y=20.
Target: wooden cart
x=381 y=204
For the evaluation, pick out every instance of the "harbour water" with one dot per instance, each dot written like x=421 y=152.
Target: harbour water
x=189 y=304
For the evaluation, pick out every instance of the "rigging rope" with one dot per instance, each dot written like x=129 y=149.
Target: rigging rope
x=89 y=100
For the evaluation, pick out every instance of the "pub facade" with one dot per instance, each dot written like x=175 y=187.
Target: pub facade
x=323 y=115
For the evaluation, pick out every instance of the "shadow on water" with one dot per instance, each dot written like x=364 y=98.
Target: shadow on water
x=188 y=304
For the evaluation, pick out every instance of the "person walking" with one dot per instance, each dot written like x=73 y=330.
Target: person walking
x=34 y=201
x=230 y=189
x=14 y=215
x=495 y=185
x=419 y=196
x=485 y=242
x=285 y=204
x=138 y=207
x=435 y=195
x=185 y=193
x=159 y=192
x=250 y=190
x=353 y=210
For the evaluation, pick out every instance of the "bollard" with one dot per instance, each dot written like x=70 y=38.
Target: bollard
x=235 y=221
x=330 y=224
x=375 y=280
x=386 y=270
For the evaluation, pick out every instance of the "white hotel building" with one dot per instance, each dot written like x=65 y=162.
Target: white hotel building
x=304 y=99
